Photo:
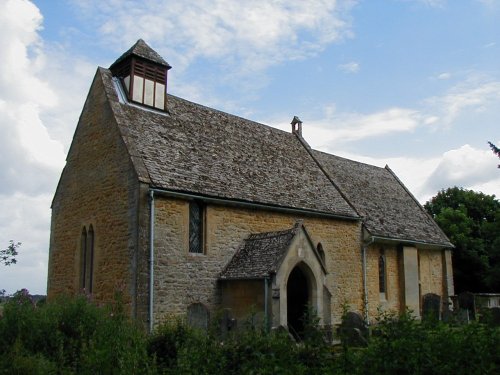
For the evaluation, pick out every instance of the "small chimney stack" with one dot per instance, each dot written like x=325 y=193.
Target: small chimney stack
x=296 y=126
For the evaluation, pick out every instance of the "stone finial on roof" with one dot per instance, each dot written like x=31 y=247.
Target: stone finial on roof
x=296 y=126
x=141 y=49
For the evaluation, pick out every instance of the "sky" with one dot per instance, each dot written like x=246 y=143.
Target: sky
x=414 y=84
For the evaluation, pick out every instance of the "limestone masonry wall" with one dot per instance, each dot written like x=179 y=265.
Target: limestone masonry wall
x=392 y=299
x=431 y=277
x=98 y=187
x=183 y=278
x=431 y=272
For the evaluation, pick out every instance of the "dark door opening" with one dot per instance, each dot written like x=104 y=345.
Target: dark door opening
x=297 y=291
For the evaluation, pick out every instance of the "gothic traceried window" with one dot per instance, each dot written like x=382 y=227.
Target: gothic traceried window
x=196 y=216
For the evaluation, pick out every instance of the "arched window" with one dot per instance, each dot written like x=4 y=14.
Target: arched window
x=87 y=259
x=90 y=259
x=321 y=252
x=382 y=275
x=83 y=257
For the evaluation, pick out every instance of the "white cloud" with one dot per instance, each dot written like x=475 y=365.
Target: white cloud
x=338 y=128
x=444 y=76
x=251 y=35
x=23 y=94
x=25 y=219
x=472 y=95
x=424 y=176
x=465 y=167
x=430 y=3
x=35 y=127
x=491 y=4
x=351 y=67
x=434 y=3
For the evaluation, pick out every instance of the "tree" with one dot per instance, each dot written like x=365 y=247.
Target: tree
x=495 y=150
x=471 y=220
x=8 y=255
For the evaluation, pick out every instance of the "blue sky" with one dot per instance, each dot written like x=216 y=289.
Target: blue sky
x=410 y=83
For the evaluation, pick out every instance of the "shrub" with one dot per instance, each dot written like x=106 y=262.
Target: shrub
x=70 y=335
x=403 y=345
x=179 y=349
x=73 y=336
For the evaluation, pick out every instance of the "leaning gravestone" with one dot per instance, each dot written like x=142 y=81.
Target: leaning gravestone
x=431 y=307
x=353 y=330
x=466 y=302
x=198 y=316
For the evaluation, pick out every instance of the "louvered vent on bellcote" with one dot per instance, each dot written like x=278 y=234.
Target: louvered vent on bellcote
x=143 y=74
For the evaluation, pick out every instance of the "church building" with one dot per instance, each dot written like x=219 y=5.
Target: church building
x=187 y=210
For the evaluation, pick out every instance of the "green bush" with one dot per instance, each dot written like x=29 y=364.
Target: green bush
x=179 y=349
x=403 y=345
x=70 y=335
x=73 y=336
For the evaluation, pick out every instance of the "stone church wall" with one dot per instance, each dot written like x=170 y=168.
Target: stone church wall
x=431 y=272
x=431 y=278
x=98 y=187
x=392 y=300
x=183 y=278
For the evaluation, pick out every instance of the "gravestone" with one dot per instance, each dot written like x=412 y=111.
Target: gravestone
x=495 y=316
x=490 y=316
x=198 y=316
x=431 y=307
x=353 y=330
x=466 y=301
x=462 y=316
x=226 y=322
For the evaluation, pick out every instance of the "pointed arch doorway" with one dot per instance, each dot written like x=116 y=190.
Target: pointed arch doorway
x=294 y=274
x=299 y=298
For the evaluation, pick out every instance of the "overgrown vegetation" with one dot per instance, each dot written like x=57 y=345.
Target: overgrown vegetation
x=471 y=220
x=72 y=336
x=69 y=336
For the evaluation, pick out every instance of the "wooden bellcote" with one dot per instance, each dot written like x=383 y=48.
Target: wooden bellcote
x=143 y=73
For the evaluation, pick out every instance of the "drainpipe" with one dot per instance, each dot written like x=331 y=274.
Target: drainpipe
x=151 y=255
x=266 y=307
x=365 y=286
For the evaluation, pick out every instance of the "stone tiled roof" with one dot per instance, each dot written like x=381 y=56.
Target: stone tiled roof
x=141 y=49
x=259 y=256
x=203 y=151
x=199 y=150
x=388 y=208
